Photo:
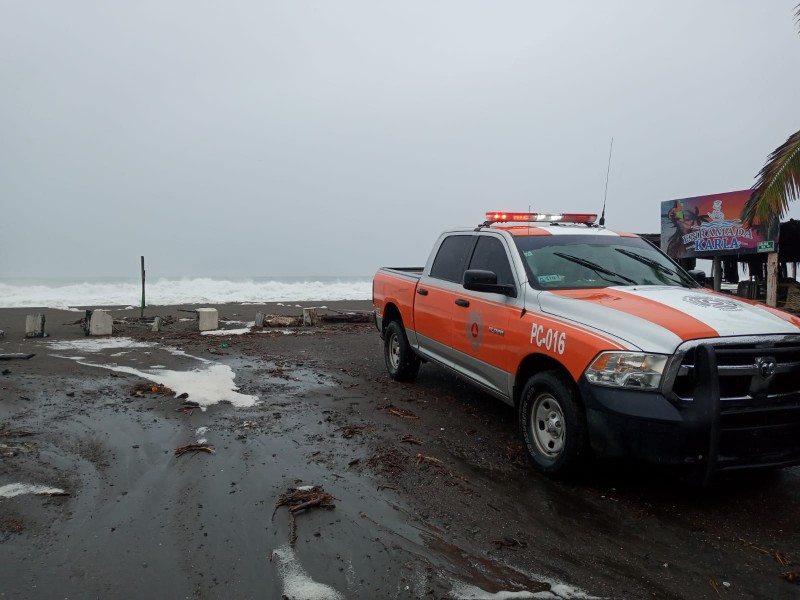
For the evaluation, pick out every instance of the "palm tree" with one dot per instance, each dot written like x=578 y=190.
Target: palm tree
x=778 y=182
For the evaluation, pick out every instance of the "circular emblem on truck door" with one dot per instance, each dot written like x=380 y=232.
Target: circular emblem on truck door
x=475 y=330
x=712 y=302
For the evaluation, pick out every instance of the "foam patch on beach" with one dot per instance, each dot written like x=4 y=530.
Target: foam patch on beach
x=100 y=344
x=125 y=344
x=241 y=331
x=207 y=386
x=165 y=291
x=19 y=489
x=559 y=591
x=297 y=584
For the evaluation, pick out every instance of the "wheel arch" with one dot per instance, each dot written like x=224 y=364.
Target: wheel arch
x=536 y=363
x=390 y=313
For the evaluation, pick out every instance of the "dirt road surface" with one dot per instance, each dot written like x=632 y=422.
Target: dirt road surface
x=432 y=494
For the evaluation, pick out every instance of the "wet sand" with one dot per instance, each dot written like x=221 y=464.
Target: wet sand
x=458 y=514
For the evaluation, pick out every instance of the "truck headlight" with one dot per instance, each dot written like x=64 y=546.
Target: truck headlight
x=627 y=369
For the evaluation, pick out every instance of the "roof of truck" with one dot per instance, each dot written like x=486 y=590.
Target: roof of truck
x=558 y=229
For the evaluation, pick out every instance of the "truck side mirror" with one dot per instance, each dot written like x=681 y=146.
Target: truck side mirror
x=699 y=276
x=486 y=281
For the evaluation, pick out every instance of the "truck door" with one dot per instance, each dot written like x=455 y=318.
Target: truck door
x=436 y=295
x=480 y=321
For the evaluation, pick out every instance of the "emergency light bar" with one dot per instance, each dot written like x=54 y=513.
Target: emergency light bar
x=517 y=217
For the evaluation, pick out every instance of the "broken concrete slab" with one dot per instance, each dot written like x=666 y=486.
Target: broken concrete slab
x=34 y=326
x=100 y=323
x=310 y=317
x=208 y=319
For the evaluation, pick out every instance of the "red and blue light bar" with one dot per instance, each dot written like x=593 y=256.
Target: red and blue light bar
x=519 y=217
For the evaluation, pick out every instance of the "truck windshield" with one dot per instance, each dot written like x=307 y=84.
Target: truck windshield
x=571 y=261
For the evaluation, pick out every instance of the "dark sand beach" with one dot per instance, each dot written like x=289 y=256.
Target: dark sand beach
x=433 y=498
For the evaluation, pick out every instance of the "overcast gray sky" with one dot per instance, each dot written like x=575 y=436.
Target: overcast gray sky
x=330 y=138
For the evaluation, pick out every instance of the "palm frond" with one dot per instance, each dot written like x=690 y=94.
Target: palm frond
x=797 y=17
x=778 y=183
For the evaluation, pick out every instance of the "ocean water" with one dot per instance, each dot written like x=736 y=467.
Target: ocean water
x=62 y=293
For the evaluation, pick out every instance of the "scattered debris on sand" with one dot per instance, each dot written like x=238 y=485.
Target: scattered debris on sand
x=147 y=388
x=389 y=460
x=349 y=431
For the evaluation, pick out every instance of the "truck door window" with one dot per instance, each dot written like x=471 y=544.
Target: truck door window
x=452 y=258
x=490 y=255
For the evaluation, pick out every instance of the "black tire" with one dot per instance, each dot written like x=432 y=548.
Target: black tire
x=556 y=439
x=401 y=361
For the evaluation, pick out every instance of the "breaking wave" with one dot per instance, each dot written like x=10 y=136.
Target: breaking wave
x=181 y=291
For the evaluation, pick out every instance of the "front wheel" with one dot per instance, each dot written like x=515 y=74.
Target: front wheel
x=553 y=424
x=401 y=361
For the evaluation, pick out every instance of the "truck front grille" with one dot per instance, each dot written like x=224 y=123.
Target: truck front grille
x=759 y=409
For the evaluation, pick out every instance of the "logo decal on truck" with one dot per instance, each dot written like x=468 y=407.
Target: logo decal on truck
x=475 y=330
x=550 y=339
x=712 y=302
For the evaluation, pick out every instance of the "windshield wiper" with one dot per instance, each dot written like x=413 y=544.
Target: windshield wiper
x=593 y=266
x=650 y=263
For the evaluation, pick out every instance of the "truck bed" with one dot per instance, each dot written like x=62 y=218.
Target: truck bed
x=412 y=272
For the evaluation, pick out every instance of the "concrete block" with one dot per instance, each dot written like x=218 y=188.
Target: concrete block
x=282 y=321
x=310 y=317
x=208 y=319
x=260 y=319
x=34 y=326
x=101 y=323
x=157 y=322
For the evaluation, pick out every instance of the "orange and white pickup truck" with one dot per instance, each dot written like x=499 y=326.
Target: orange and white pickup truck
x=602 y=343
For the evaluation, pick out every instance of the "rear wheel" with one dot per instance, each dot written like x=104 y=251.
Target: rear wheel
x=553 y=424
x=401 y=361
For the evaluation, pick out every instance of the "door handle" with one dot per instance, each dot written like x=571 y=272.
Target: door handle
x=422 y=292
x=464 y=303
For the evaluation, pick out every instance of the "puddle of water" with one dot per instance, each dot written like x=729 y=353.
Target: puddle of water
x=19 y=489
x=297 y=584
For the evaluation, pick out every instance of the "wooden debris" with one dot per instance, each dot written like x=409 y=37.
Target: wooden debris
x=406 y=438
x=16 y=434
x=397 y=411
x=16 y=356
x=181 y=450
x=714 y=585
x=299 y=499
x=509 y=542
x=781 y=559
x=421 y=457
x=791 y=576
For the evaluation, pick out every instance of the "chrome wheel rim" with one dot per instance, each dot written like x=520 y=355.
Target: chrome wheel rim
x=394 y=352
x=548 y=426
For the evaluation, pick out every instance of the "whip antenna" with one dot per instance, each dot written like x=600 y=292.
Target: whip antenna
x=602 y=221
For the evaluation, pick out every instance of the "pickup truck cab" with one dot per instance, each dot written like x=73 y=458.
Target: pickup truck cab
x=602 y=343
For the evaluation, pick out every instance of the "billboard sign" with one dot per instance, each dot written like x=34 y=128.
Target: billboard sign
x=708 y=226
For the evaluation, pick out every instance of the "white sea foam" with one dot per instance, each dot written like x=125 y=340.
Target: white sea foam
x=297 y=584
x=240 y=331
x=99 y=344
x=18 y=489
x=181 y=291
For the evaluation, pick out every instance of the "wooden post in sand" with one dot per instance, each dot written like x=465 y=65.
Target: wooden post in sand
x=717 y=270
x=141 y=314
x=772 y=279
